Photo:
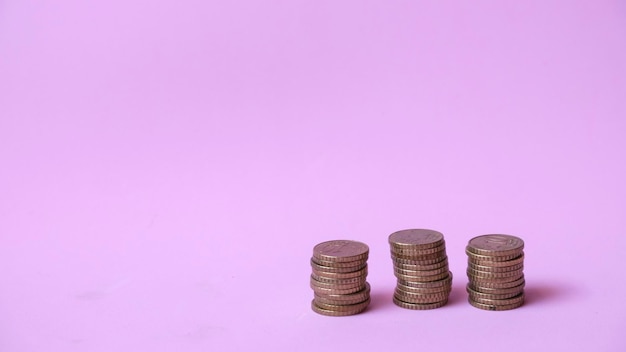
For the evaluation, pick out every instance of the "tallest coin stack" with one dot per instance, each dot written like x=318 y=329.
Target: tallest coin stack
x=420 y=264
x=495 y=268
x=339 y=278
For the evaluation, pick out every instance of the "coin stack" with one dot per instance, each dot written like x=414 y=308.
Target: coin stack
x=495 y=268
x=420 y=264
x=339 y=278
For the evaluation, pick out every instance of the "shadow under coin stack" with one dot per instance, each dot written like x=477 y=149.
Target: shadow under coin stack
x=495 y=268
x=339 y=278
x=420 y=264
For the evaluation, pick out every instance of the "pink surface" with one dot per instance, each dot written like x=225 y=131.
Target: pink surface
x=167 y=167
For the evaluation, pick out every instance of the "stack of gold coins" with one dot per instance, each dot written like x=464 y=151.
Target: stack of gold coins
x=420 y=264
x=495 y=268
x=339 y=278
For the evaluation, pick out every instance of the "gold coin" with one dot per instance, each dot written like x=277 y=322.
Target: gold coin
x=424 y=290
x=495 y=245
x=416 y=298
x=420 y=273
x=343 y=307
x=330 y=269
x=418 y=252
x=429 y=278
x=355 y=297
x=417 y=262
x=339 y=276
x=351 y=264
x=494 y=275
x=416 y=238
x=497 y=291
x=339 y=282
x=334 y=313
x=495 y=307
x=430 y=284
x=443 y=263
x=492 y=263
x=417 y=306
x=341 y=251
x=495 y=269
x=480 y=295
x=497 y=285
x=477 y=257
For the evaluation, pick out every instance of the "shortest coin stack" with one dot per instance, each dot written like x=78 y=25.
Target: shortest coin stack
x=495 y=268
x=339 y=278
x=420 y=264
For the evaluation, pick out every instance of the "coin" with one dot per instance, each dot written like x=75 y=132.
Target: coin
x=501 y=258
x=420 y=273
x=355 y=297
x=418 y=252
x=341 y=251
x=415 y=262
x=335 y=313
x=351 y=264
x=343 y=307
x=346 y=286
x=339 y=282
x=430 y=284
x=500 y=295
x=493 y=291
x=478 y=274
x=495 y=269
x=339 y=276
x=416 y=238
x=495 y=307
x=496 y=244
x=443 y=263
x=424 y=290
x=330 y=269
x=417 y=306
x=488 y=262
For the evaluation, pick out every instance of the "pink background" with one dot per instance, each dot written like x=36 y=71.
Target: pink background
x=166 y=168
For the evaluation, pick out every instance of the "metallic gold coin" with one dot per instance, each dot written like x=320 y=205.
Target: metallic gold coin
x=333 y=290
x=424 y=290
x=341 y=251
x=420 y=273
x=397 y=260
x=330 y=269
x=344 y=286
x=429 y=278
x=418 y=298
x=499 y=302
x=496 y=291
x=334 y=313
x=447 y=280
x=418 y=252
x=481 y=280
x=495 y=307
x=343 y=307
x=340 y=276
x=475 y=295
x=420 y=257
x=339 y=282
x=416 y=238
x=476 y=274
x=352 y=264
x=417 y=306
x=496 y=245
x=355 y=297
x=495 y=269
x=492 y=263
x=443 y=263
x=491 y=258
x=479 y=285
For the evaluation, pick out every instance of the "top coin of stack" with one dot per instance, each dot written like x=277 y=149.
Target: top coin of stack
x=339 y=278
x=421 y=266
x=495 y=268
